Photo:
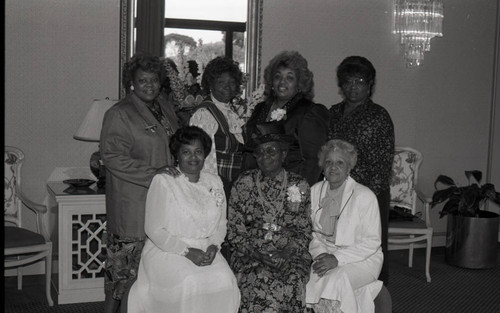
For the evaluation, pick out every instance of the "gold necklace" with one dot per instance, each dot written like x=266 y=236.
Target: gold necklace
x=274 y=206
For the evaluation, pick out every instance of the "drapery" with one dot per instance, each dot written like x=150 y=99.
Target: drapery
x=150 y=25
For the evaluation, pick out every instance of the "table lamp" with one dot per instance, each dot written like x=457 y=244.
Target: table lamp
x=90 y=131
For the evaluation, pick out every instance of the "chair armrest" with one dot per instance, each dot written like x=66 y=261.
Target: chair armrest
x=39 y=209
x=426 y=200
x=423 y=197
x=33 y=206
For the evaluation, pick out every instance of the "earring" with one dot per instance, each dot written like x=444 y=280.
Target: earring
x=132 y=87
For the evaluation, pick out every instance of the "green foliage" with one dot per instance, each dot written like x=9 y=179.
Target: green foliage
x=465 y=200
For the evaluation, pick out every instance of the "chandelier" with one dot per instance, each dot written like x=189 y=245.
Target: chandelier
x=417 y=22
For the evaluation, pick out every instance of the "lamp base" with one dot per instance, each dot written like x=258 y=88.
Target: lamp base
x=97 y=168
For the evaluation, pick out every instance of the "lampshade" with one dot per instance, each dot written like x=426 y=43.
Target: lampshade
x=90 y=129
x=417 y=22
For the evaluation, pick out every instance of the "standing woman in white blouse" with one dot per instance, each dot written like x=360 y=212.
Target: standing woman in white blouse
x=222 y=81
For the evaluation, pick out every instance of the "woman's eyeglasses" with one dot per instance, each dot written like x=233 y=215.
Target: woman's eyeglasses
x=269 y=151
x=357 y=82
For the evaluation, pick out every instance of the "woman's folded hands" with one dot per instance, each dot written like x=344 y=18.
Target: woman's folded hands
x=323 y=263
x=277 y=259
x=200 y=257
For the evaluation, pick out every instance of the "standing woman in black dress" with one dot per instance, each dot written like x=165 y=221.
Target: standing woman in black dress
x=369 y=128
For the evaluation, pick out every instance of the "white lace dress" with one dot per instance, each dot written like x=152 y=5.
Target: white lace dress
x=181 y=214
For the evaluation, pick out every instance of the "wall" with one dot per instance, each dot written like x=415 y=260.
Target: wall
x=59 y=56
x=495 y=117
x=441 y=108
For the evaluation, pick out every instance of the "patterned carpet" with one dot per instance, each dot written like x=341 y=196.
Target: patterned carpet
x=452 y=290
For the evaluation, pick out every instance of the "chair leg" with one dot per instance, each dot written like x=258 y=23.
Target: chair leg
x=428 y=258
x=20 y=278
x=410 y=253
x=48 y=277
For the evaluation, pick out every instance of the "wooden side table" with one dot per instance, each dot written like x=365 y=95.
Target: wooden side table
x=81 y=225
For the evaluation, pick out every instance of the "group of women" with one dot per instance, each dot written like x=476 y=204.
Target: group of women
x=297 y=192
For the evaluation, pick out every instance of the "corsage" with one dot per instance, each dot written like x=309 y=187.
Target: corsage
x=218 y=194
x=278 y=115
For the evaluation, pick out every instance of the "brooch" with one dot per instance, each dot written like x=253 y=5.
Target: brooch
x=151 y=128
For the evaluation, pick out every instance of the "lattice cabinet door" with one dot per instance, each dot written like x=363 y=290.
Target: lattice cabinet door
x=81 y=231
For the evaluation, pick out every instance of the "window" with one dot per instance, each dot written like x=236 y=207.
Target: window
x=200 y=30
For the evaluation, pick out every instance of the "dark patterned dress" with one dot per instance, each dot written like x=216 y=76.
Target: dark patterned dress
x=251 y=222
x=369 y=127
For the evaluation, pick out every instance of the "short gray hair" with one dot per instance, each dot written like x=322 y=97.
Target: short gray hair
x=339 y=145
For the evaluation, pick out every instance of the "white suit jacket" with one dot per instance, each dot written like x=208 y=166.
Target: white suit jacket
x=358 y=228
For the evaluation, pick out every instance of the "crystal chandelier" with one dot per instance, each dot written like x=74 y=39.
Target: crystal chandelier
x=417 y=22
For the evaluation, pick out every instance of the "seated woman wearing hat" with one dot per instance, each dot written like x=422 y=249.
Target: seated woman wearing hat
x=270 y=229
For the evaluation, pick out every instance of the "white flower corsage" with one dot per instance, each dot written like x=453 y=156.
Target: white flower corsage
x=294 y=194
x=218 y=194
x=278 y=115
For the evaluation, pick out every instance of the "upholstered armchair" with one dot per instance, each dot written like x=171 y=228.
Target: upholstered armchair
x=414 y=230
x=23 y=246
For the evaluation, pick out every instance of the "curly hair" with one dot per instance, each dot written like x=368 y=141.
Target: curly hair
x=296 y=62
x=187 y=135
x=216 y=67
x=150 y=64
x=338 y=145
x=355 y=66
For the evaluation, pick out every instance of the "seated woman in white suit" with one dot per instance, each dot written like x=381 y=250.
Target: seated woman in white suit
x=181 y=268
x=347 y=257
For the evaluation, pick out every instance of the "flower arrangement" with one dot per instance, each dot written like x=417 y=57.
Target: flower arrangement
x=183 y=90
x=244 y=106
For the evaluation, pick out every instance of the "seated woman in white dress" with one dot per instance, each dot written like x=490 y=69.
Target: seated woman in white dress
x=347 y=257
x=181 y=269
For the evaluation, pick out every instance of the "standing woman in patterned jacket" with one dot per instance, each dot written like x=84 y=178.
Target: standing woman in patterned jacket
x=369 y=128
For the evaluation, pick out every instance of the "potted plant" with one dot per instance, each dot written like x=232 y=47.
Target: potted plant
x=472 y=232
